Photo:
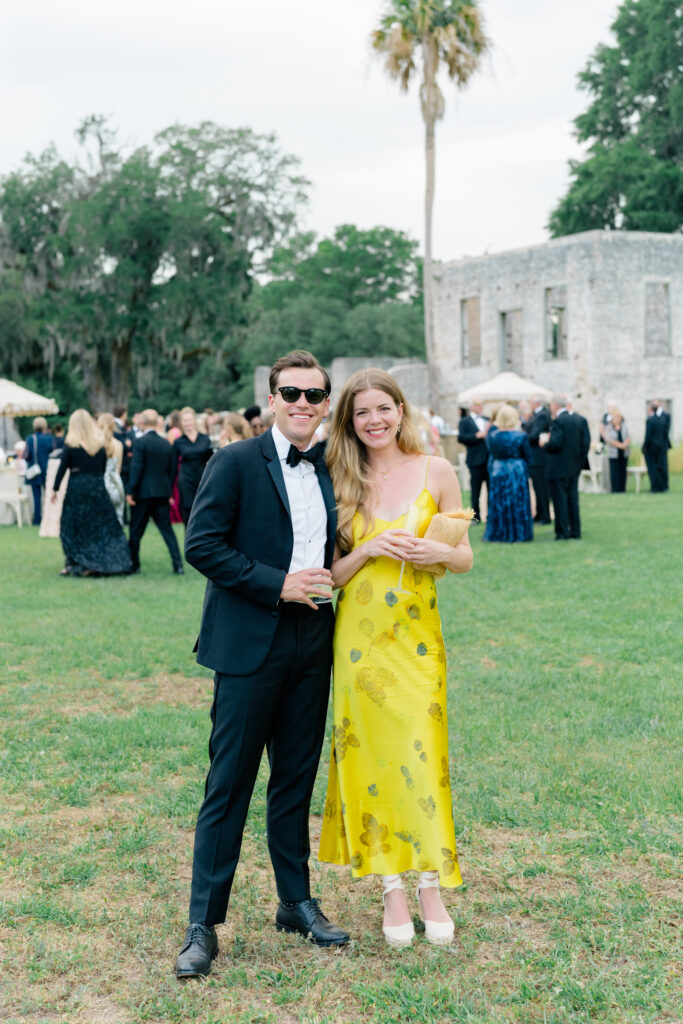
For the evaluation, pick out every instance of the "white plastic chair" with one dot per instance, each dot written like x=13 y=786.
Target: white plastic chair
x=11 y=493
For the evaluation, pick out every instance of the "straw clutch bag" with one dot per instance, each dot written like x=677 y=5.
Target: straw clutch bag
x=447 y=528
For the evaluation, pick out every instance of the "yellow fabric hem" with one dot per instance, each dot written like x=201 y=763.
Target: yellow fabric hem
x=452 y=881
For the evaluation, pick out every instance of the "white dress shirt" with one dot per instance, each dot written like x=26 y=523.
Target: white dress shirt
x=307 y=509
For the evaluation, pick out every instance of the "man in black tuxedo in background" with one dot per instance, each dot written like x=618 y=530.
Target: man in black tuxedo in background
x=567 y=449
x=472 y=432
x=539 y=423
x=149 y=489
x=656 y=446
x=262 y=530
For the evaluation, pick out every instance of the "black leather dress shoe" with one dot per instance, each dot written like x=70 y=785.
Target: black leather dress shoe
x=308 y=920
x=178 y=570
x=198 y=950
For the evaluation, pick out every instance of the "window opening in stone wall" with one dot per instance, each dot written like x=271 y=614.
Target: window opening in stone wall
x=556 y=322
x=470 y=332
x=511 y=341
x=657 y=319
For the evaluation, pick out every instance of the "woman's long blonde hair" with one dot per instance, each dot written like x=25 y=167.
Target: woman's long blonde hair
x=346 y=455
x=105 y=421
x=83 y=432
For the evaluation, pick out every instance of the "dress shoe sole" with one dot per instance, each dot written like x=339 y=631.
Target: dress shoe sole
x=307 y=935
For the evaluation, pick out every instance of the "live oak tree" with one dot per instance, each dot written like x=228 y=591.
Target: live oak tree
x=632 y=175
x=355 y=293
x=417 y=38
x=132 y=263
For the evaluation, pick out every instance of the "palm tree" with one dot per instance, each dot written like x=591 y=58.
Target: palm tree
x=429 y=33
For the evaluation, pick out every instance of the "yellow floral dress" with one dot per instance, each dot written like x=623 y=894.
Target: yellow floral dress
x=388 y=806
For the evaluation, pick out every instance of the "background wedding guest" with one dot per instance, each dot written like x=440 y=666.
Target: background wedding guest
x=472 y=431
x=656 y=446
x=235 y=428
x=149 y=491
x=52 y=509
x=58 y=437
x=93 y=541
x=255 y=420
x=509 y=505
x=37 y=450
x=617 y=440
x=172 y=435
x=538 y=423
x=113 y=484
x=567 y=449
x=194 y=450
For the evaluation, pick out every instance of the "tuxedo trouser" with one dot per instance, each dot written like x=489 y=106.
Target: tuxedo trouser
x=540 y=484
x=657 y=463
x=141 y=512
x=478 y=476
x=282 y=707
x=559 y=492
x=573 y=507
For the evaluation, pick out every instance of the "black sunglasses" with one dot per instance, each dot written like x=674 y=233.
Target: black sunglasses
x=313 y=395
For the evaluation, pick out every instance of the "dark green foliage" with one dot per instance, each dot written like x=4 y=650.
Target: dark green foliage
x=632 y=176
x=139 y=261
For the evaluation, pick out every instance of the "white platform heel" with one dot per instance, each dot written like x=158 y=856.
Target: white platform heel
x=398 y=935
x=440 y=933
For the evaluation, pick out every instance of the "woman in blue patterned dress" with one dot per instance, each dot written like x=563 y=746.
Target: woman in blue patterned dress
x=509 y=506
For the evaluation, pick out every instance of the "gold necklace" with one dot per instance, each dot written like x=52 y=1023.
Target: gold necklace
x=386 y=473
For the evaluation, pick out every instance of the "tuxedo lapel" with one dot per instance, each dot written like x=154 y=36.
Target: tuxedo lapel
x=270 y=453
x=331 y=506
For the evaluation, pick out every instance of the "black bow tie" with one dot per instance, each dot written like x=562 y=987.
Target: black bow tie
x=313 y=455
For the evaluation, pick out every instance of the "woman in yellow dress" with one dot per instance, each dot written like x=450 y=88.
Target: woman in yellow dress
x=388 y=808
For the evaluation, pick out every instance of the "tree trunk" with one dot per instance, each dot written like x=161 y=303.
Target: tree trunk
x=104 y=394
x=427 y=278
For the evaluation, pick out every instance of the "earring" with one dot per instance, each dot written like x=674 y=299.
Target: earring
x=398 y=431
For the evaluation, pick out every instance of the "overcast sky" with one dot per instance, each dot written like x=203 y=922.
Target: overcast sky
x=304 y=69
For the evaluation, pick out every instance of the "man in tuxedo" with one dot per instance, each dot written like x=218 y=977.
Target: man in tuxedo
x=567 y=449
x=262 y=531
x=149 y=489
x=538 y=423
x=472 y=433
x=656 y=446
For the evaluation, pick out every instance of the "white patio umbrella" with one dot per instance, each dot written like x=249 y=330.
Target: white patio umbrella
x=18 y=401
x=504 y=387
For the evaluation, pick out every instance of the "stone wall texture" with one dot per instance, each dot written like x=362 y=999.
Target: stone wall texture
x=617 y=317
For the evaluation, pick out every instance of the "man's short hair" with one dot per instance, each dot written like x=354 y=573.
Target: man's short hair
x=150 y=417
x=118 y=411
x=559 y=399
x=299 y=359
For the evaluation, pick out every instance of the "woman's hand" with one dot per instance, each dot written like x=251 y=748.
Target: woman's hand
x=53 y=498
x=396 y=544
x=428 y=552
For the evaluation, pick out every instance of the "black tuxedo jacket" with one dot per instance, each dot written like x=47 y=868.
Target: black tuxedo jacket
x=152 y=469
x=656 y=434
x=567 y=446
x=477 y=452
x=240 y=537
x=537 y=424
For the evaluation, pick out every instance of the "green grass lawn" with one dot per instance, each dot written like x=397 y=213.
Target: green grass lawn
x=564 y=711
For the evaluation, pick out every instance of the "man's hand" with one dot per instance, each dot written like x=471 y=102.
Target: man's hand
x=299 y=585
x=129 y=499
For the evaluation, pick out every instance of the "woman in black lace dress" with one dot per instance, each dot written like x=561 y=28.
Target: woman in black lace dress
x=93 y=541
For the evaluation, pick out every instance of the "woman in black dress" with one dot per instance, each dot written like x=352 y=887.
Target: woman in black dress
x=194 y=451
x=93 y=541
